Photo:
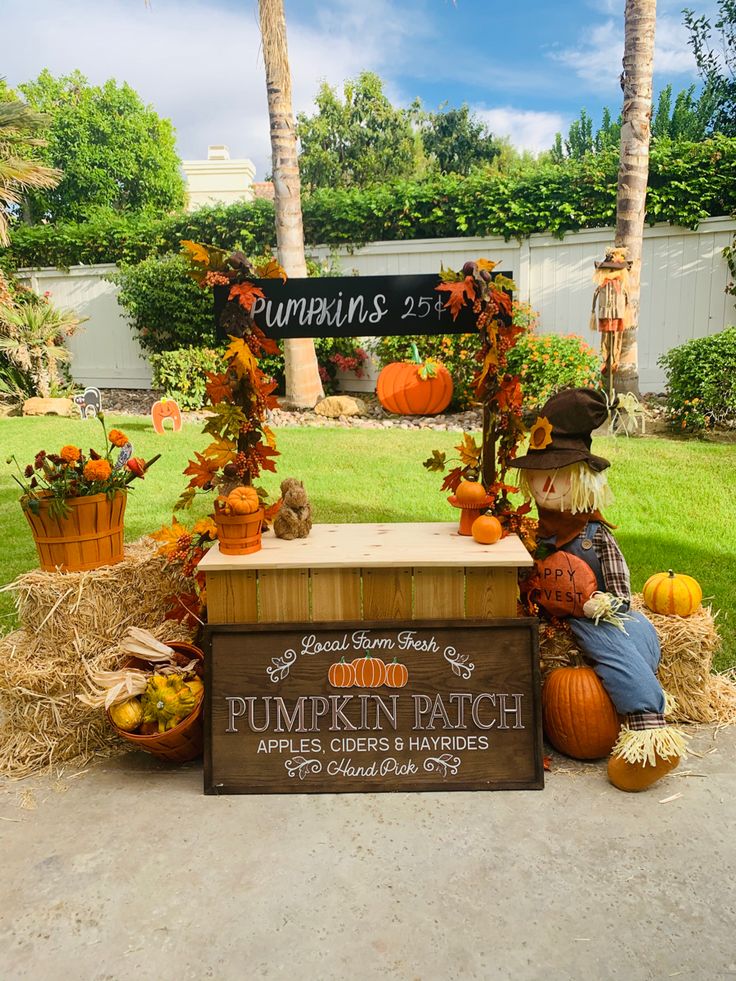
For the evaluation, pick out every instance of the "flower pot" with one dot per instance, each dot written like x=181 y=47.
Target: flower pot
x=239 y=534
x=184 y=742
x=89 y=536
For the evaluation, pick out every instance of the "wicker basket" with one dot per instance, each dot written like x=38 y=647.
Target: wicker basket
x=239 y=534
x=89 y=536
x=184 y=742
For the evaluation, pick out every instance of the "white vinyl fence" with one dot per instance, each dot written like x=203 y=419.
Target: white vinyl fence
x=684 y=277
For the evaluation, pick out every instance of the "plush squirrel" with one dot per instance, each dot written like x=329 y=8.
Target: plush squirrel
x=294 y=519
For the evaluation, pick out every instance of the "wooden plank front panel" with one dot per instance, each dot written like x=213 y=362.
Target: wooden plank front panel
x=336 y=594
x=387 y=594
x=283 y=595
x=232 y=597
x=490 y=592
x=439 y=594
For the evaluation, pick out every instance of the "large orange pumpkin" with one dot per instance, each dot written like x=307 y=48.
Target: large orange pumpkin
x=671 y=594
x=579 y=718
x=413 y=388
x=370 y=672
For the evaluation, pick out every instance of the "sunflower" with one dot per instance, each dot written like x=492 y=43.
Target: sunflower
x=540 y=435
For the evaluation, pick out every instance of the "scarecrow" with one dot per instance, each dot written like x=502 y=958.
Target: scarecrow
x=611 y=313
x=581 y=574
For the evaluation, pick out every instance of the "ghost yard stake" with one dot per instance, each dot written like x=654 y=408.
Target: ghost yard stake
x=496 y=390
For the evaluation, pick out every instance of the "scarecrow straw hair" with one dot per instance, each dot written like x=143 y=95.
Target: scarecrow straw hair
x=688 y=645
x=589 y=490
x=73 y=623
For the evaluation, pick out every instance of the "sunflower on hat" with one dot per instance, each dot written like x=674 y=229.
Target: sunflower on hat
x=540 y=435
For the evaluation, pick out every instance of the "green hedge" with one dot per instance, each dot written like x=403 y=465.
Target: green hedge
x=688 y=182
x=701 y=381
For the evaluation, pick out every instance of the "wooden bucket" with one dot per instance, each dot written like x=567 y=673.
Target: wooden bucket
x=89 y=536
x=239 y=534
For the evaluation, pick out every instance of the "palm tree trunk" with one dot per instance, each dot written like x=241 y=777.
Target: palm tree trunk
x=633 y=172
x=303 y=385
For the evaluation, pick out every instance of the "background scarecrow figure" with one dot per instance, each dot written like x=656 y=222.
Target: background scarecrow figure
x=581 y=574
x=611 y=313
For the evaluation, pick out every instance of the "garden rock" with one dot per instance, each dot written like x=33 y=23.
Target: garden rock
x=335 y=406
x=48 y=407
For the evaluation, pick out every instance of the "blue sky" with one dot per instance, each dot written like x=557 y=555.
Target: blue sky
x=527 y=67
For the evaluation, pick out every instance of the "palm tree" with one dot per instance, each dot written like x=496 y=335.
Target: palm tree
x=303 y=385
x=19 y=172
x=633 y=172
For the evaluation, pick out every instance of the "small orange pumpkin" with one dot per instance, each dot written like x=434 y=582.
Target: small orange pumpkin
x=341 y=674
x=486 y=529
x=672 y=594
x=471 y=492
x=397 y=674
x=414 y=388
x=579 y=718
x=243 y=500
x=370 y=672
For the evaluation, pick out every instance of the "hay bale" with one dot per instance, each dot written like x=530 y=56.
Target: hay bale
x=688 y=645
x=72 y=622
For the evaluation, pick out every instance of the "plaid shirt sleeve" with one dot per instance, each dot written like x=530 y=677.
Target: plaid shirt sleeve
x=613 y=564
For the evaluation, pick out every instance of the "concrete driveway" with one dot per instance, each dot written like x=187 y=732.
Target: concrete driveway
x=128 y=871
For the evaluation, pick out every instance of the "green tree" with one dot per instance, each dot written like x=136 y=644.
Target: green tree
x=687 y=119
x=357 y=140
x=714 y=47
x=116 y=152
x=457 y=141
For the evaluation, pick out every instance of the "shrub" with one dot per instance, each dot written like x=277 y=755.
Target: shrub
x=548 y=362
x=165 y=306
x=701 y=381
x=181 y=374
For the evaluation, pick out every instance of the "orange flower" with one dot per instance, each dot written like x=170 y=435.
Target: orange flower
x=70 y=454
x=97 y=470
x=118 y=438
x=137 y=466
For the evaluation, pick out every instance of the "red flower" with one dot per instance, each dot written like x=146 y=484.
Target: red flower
x=137 y=466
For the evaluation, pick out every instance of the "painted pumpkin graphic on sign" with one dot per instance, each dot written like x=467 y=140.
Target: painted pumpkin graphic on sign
x=397 y=675
x=161 y=411
x=370 y=672
x=341 y=674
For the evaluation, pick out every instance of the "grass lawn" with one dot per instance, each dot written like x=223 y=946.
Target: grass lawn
x=675 y=500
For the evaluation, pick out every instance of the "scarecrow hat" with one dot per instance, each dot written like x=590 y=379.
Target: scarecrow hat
x=616 y=258
x=561 y=434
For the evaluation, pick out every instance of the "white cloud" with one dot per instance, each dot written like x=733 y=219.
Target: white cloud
x=597 y=57
x=200 y=64
x=526 y=129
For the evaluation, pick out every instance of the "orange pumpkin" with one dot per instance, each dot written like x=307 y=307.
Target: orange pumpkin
x=243 y=500
x=471 y=492
x=341 y=674
x=671 y=594
x=414 y=389
x=579 y=718
x=370 y=672
x=397 y=674
x=162 y=410
x=486 y=529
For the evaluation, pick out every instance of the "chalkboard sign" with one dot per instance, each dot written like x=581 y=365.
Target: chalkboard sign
x=373 y=706
x=351 y=306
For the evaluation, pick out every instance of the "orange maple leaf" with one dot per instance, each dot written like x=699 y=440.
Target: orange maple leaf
x=271 y=270
x=218 y=388
x=205 y=526
x=273 y=510
x=221 y=451
x=196 y=252
x=263 y=452
x=240 y=355
x=486 y=264
x=459 y=294
x=201 y=470
x=469 y=451
x=245 y=293
x=509 y=394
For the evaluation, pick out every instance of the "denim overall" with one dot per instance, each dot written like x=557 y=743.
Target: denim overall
x=625 y=663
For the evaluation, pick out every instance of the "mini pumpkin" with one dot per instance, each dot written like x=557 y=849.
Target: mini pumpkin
x=486 y=529
x=471 y=492
x=579 y=718
x=127 y=715
x=672 y=594
x=397 y=675
x=341 y=674
x=243 y=500
x=370 y=672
